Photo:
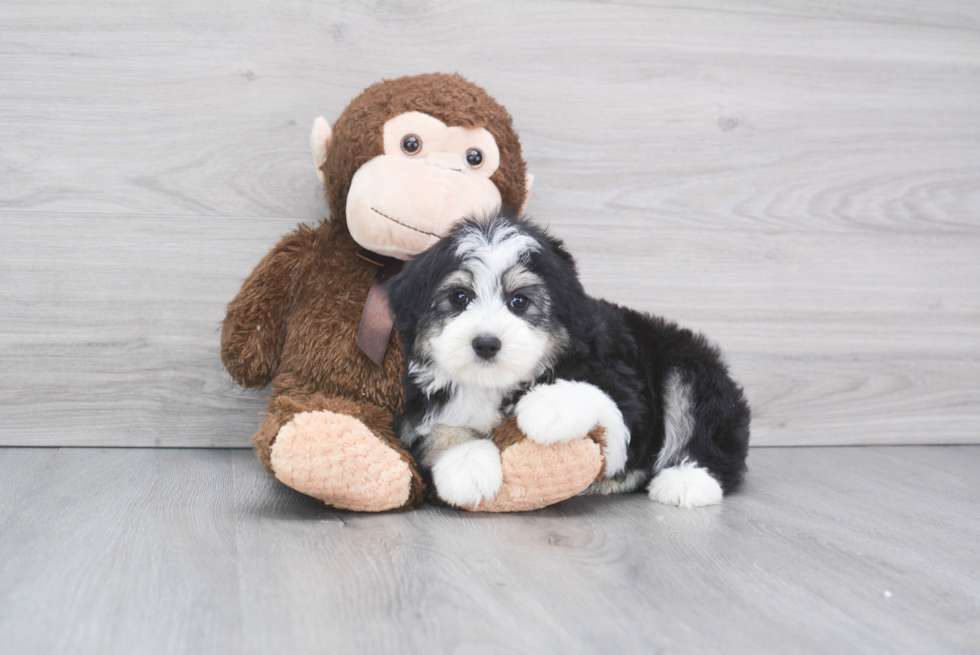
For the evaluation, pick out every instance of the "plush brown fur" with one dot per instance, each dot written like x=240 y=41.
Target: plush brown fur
x=295 y=320
x=295 y=323
x=508 y=434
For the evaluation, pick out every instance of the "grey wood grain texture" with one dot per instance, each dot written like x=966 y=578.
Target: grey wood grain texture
x=883 y=355
x=800 y=181
x=827 y=550
x=117 y=551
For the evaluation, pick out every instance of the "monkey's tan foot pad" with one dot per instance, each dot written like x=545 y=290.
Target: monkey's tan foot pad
x=337 y=459
x=536 y=476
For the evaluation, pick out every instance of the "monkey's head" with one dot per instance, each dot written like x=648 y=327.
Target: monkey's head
x=408 y=158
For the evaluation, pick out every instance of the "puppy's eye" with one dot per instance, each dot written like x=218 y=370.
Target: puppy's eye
x=518 y=304
x=411 y=144
x=459 y=298
x=474 y=158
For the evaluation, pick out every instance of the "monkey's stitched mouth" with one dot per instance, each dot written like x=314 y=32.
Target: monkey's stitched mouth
x=394 y=220
x=445 y=168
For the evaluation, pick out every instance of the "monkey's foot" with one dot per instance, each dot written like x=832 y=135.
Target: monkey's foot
x=537 y=475
x=339 y=460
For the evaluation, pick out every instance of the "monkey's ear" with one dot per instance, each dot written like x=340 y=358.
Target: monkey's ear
x=528 y=183
x=320 y=144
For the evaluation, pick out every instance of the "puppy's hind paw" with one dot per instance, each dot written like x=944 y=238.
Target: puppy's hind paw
x=468 y=473
x=559 y=412
x=685 y=485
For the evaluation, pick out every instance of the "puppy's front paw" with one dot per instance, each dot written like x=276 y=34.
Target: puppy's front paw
x=559 y=412
x=468 y=473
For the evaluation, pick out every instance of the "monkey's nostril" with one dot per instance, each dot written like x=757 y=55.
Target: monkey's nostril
x=486 y=347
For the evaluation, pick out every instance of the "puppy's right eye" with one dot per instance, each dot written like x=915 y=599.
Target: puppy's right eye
x=459 y=298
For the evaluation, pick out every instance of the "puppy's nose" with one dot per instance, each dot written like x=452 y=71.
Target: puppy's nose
x=486 y=347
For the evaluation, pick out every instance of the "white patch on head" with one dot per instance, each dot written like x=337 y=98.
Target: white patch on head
x=685 y=485
x=678 y=420
x=495 y=250
x=466 y=474
x=567 y=410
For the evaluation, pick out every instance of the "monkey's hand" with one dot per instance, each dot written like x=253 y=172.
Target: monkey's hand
x=252 y=333
x=535 y=475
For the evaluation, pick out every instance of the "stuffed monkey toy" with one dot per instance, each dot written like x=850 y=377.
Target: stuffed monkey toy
x=404 y=161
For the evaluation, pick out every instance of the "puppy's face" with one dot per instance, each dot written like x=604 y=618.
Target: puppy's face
x=478 y=309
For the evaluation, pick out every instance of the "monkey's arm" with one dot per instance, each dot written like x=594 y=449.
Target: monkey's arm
x=254 y=327
x=535 y=476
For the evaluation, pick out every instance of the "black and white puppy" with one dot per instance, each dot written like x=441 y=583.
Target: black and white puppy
x=495 y=323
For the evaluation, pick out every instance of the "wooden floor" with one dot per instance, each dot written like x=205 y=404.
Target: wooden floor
x=826 y=550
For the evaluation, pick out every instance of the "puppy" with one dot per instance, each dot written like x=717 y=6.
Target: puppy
x=495 y=323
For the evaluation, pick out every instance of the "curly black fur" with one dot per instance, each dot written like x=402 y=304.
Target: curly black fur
x=632 y=356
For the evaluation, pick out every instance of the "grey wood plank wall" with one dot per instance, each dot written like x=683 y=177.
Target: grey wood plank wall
x=799 y=180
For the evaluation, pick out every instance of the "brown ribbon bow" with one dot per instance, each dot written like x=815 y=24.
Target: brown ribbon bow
x=376 y=322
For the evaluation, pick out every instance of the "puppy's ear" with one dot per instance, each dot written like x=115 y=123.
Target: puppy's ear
x=403 y=301
x=571 y=303
x=558 y=247
x=410 y=293
x=555 y=259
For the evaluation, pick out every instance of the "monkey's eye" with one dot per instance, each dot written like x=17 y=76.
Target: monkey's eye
x=474 y=158
x=459 y=298
x=411 y=144
x=518 y=304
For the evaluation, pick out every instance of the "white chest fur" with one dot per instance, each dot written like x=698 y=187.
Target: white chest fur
x=471 y=407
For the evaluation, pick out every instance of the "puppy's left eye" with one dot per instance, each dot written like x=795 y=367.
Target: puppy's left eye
x=459 y=298
x=518 y=304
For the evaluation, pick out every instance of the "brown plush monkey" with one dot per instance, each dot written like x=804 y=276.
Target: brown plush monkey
x=405 y=160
